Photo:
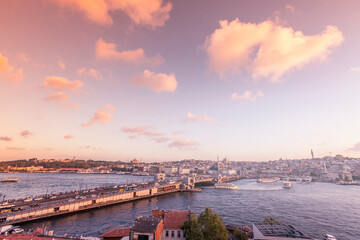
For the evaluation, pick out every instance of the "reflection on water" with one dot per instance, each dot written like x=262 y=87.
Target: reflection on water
x=315 y=208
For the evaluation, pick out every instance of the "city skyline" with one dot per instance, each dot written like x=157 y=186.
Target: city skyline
x=172 y=80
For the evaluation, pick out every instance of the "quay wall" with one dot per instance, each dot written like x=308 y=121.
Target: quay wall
x=71 y=205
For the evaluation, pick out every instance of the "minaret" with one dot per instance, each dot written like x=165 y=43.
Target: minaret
x=312 y=154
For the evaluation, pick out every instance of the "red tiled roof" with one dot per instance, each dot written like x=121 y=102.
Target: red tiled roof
x=175 y=218
x=116 y=232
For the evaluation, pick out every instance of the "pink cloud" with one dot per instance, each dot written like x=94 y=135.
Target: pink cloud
x=26 y=133
x=192 y=117
x=16 y=148
x=153 y=13
x=12 y=75
x=101 y=116
x=59 y=98
x=61 y=64
x=183 y=143
x=157 y=82
x=107 y=51
x=247 y=96
x=23 y=57
x=69 y=136
x=90 y=73
x=7 y=139
x=290 y=8
x=267 y=49
x=60 y=83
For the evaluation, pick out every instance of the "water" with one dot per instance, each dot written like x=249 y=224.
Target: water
x=315 y=208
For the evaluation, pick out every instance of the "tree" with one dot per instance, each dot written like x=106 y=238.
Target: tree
x=212 y=226
x=239 y=235
x=192 y=229
x=271 y=220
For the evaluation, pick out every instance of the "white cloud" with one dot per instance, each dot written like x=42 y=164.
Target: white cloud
x=193 y=117
x=267 y=49
x=247 y=96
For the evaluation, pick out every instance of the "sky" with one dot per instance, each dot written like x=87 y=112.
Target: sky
x=166 y=80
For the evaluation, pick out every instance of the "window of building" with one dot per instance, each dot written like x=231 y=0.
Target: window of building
x=172 y=233
x=166 y=233
x=179 y=234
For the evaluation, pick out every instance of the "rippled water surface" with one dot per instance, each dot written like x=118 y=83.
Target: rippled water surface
x=315 y=208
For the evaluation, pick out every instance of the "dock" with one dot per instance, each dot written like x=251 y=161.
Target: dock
x=45 y=208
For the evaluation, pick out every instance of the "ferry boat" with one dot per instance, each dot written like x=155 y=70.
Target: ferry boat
x=9 y=180
x=287 y=184
x=225 y=186
x=267 y=180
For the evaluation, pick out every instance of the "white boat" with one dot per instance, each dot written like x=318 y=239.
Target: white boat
x=225 y=186
x=299 y=180
x=328 y=237
x=287 y=184
x=308 y=179
x=9 y=180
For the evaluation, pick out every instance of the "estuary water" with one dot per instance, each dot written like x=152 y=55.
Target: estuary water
x=315 y=209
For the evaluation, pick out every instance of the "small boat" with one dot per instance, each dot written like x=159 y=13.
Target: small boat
x=299 y=180
x=287 y=184
x=225 y=186
x=328 y=237
x=308 y=179
x=9 y=180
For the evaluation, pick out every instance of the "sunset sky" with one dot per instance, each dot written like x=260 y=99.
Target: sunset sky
x=163 y=80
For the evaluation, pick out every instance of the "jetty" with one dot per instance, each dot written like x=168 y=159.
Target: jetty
x=32 y=209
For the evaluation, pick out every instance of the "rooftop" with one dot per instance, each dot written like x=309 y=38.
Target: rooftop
x=172 y=218
x=274 y=229
x=146 y=224
x=116 y=233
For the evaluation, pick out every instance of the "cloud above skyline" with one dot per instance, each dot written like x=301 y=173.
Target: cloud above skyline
x=12 y=75
x=6 y=139
x=102 y=116
x=157 y=82
x=69 y=136
x=16 y=148
x=182 y=143
x=107 y=51
x=193 y=117
x=247 y=96
x=267 y=49
x=355 y=148
x=26 y=133
x=146 y=131
x=153 y=13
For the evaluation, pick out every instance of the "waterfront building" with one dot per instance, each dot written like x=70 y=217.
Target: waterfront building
x=147 y=228
x=277 y=231
x=173 y=220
